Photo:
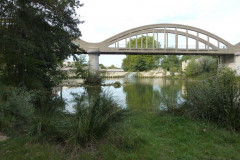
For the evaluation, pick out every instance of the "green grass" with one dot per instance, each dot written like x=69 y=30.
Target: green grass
x=20 y=149
x=147 y=135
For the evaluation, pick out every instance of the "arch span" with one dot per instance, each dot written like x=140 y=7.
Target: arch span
x=183 y=39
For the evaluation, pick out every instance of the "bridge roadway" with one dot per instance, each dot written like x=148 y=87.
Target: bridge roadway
x=164 y=39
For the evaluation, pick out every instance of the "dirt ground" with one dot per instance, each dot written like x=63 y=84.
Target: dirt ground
x=3 y=137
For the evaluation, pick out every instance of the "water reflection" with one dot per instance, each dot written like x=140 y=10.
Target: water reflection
x=143 y=93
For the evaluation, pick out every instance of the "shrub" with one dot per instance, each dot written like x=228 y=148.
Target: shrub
x=216 y=100
x=204 y=64
x=117 y=84
x=47 y=118
x=92 y=79
x=15 y=106
x=91 y=121
x=208 y=64
x=193 y=68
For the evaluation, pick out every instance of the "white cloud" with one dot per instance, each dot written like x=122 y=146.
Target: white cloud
x=106 y=18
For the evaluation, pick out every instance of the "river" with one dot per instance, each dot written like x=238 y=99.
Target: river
x=135 y=93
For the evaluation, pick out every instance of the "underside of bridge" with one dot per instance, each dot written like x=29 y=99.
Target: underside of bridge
x=164 y=39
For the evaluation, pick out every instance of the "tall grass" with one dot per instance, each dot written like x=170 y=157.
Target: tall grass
x=46 y=119
x=92 y=120
x=216 y=100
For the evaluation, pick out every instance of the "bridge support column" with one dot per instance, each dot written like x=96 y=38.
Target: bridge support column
x=230 y=61
x=94 y=63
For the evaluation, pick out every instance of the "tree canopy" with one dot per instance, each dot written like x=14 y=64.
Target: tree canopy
x=35 y=36
x=141 y=62
x=170 y=62
x=204 y=64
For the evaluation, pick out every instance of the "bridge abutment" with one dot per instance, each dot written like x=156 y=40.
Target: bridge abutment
x=230 y=61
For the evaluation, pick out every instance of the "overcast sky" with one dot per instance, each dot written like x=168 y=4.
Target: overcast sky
x=106 y=18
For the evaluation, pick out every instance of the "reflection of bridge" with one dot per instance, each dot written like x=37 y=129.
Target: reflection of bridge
x=167 y=39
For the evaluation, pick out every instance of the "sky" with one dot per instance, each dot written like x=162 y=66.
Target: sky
x=106 y=18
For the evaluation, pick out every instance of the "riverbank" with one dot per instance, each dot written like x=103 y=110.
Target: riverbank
x=145 y=135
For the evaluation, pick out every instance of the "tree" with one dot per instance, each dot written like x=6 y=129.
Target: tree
x=193 y=68
x=35 y=36
x=112 y=67
x=169 y=62
x=204 y=64
x=208 y=64
x=102 y=66
x=81 y=67
x=141 y=62
x=186 y=57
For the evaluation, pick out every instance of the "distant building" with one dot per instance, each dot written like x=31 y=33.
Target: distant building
x=185 y=64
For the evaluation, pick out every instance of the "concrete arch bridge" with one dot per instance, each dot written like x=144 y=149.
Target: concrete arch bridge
x=164 y=39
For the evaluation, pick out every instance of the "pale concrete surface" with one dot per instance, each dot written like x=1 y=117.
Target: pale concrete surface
x=94 y=63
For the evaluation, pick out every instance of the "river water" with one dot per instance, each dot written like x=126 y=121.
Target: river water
x=135 y=93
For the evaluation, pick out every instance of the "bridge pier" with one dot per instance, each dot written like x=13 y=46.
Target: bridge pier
x=230 y=61
x=94 y=63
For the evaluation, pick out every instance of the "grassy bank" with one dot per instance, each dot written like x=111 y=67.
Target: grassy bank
x=143 y=136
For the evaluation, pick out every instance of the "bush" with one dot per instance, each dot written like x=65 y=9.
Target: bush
x=15 y=106
x=117 y=84
x=193 y=68
x=92 y=79
x=47 y=118
x=216 y=100
x=201 y=65
x=91 y=121
x=207 y=64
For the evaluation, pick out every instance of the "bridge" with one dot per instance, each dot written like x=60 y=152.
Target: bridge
x=164 y=39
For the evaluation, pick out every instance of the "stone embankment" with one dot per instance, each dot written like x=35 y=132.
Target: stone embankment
x=157 y=73
x=120 y=73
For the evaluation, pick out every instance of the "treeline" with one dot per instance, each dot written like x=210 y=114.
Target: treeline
x=196 y=64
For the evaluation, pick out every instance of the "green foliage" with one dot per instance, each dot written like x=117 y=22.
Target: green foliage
x=117 y=84
x=208 y=64
x=15 y=106
x=92 y=119
x=187 y=57
x=37 y=36
x=170 y=97
x=193 y=68
x=216 y=100
x=80 y=66
x=170 y=62
x=112 y=67
x=92 y=79
x=83 y=72
x=201 y=65
x=141 y=62
x=145 y=135
x=102 y=66
x=46 y=119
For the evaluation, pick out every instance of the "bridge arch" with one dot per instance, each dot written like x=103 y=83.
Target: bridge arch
x=185 y=39
x=176 y=29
